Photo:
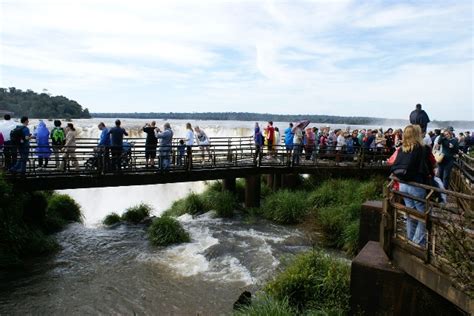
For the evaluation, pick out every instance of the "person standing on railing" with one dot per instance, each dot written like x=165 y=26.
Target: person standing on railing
x=9 y=150
x=20 y=138
x=297 y=142
x=258 y=140
x=103 y=147
x=166 y=138
x=203 y=142
x=309 y=146
x=277 y=140
x=270 y=137
x=289 y=138
x=419 y=117
x=189 y=140
x=414 y=163
x=116 y=134
x=43 y=150
x=150 y=144
x=340 y=146
x=181 y=152
x=449 y=148
x=69 y=148
x=58 y=139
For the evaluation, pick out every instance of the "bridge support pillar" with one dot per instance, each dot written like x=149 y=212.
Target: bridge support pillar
x=252 y=191
x=270 y=179
x=375 y=282
x=289 y=181
x=228 y=184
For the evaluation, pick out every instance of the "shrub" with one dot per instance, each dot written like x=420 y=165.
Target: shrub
x=285 y=207
x=224 y=203
x=313 y=281
x=265 y=305
x=165 y=231
x=333 y=220
x=64 y=206
x=136 y=214
x=111 y=219
x=351 y=238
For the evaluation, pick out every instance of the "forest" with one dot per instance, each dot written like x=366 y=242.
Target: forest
x=263 y=117
x=40 y=105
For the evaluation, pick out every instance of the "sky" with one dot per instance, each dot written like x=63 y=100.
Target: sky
x=350 y=58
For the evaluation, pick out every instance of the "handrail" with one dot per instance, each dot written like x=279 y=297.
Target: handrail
x=436 y=189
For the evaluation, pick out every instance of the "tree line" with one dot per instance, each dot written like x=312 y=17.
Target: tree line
x=262 y=117
x=40 y=105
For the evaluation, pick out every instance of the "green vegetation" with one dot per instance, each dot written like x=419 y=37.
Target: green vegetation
x=27 y=219
x=313 y=284
x=336 y=206
x=136 y=214
x=314 y=281
x=285 y=207
x=111 y=219
x=165 y=231
x=223 y=202
x=41 y=105
x=213 y=198
x=265 y=305
x=65 y=207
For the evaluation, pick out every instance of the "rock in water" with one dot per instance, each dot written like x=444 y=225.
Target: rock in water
x=245 y=299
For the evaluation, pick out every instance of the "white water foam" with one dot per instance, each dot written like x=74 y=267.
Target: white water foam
x=189 y=259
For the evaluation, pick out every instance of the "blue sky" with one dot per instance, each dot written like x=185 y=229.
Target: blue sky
x=369 y=58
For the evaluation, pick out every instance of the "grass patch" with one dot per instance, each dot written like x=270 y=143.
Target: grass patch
x=223 y=202
x=265 y=305
x=337 y=203
x=165 y=231
x=65 y=207
x=285 y=207
x=136 y=214
x=111 y=219
x=314 y=281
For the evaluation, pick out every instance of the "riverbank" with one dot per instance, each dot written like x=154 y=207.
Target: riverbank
x=27 y=221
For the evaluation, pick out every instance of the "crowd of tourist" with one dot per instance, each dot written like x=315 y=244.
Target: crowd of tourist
x=297 y=142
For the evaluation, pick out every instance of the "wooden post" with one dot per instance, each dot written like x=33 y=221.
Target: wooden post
x=270 y=180
x=228 y=184
x=277 y=181
x=252 y=191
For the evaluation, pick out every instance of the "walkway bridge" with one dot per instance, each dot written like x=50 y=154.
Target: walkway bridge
x=226 y=158
x=444 y=264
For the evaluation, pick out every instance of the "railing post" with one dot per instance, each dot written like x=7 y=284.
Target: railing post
x=189 y=151
x=229 y=151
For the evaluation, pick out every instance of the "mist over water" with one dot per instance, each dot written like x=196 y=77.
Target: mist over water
x=96 y=203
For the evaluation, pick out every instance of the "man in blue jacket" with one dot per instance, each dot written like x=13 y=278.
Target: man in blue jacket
x=103 y=147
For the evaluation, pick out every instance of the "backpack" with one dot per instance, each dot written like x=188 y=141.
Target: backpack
x=17 y=136
x=58 y=136
x=409 y=166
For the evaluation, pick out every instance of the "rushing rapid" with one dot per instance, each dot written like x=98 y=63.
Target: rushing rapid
x=116 y=271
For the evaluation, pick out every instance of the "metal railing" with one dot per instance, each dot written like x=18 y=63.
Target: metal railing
x=86 y=158
x=447 y=226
